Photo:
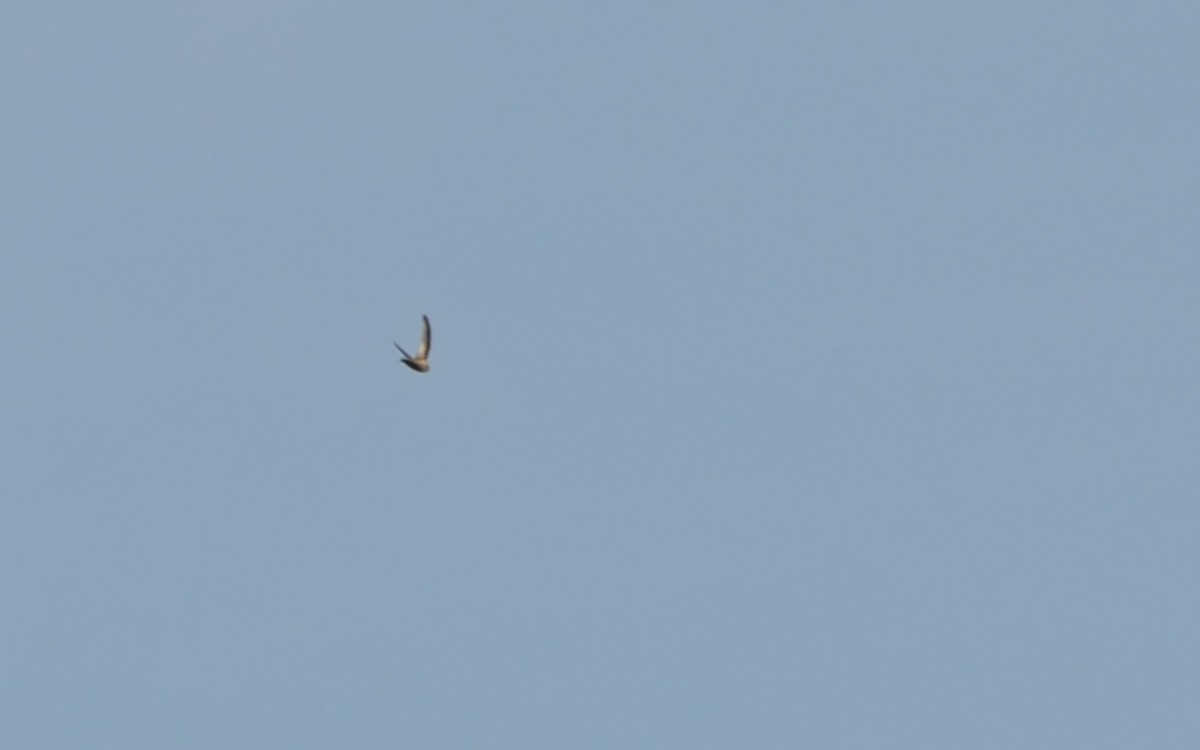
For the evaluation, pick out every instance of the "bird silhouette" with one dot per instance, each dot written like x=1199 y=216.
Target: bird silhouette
x=420 y=363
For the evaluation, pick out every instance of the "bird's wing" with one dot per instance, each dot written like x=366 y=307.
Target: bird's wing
x=401 y=350
x=426 y=339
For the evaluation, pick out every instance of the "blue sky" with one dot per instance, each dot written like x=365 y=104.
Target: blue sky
x=803 y=376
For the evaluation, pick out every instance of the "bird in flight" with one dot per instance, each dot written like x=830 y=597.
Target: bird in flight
x=420 y=363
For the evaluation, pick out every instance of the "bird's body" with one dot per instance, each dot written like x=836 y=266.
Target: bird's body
x=420 y=363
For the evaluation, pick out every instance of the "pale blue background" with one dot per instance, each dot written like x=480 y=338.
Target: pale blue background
x=804 y=375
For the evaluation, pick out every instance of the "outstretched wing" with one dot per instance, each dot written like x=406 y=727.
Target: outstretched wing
x=401 y=350
x=426 y=339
